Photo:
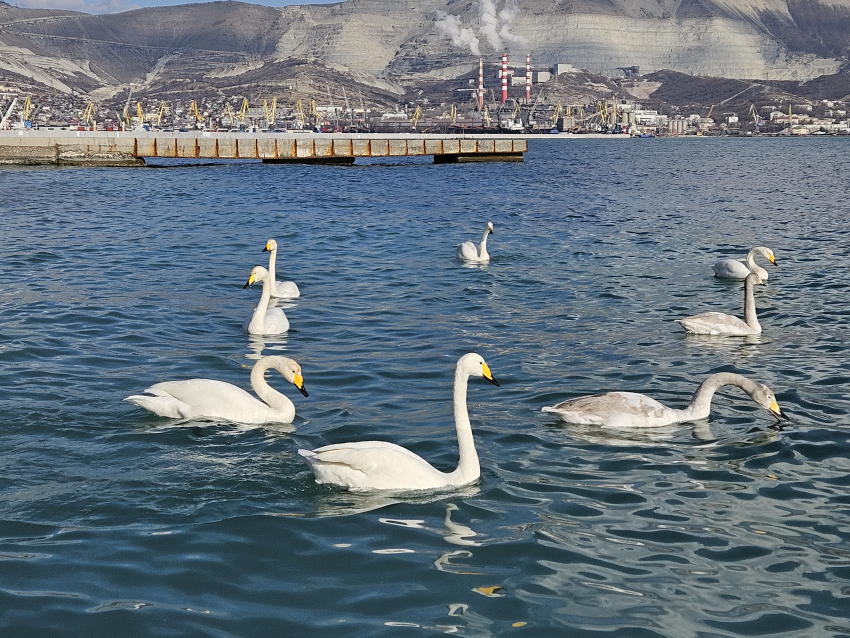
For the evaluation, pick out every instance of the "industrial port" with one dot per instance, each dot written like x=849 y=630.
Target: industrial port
x=514 y=101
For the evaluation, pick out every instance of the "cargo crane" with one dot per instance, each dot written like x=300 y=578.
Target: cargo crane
x=193 y=110
x=28 y=108
x=88 y=115
x=140 y=115
x=228 y=114
x=270 y=112
x=302 y=117
x=126 y=117
x=348 y=113
x=162 y=109
x=362 y=108
x=4 y=123
x=243 y=111
x=556 y=113
x=416 y=115
x=315 y=114
x=755 y=115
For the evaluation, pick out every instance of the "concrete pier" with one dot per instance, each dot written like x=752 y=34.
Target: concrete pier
x=129 y=148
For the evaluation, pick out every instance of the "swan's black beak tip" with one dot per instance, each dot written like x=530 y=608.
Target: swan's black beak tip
x=303 y=391
x=494 y=382
x=264 y=249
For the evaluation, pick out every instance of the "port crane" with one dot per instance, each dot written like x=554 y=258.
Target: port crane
x=4 y=123
x=556 y=113
x=270 y=112
x=193 y=110
x=162 y=109
x=88 y=115
x=416 y=115
x=243 y=111
x=302 y=118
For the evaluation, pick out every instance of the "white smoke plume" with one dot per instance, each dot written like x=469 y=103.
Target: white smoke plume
x=496 y=26
x=490 y=23
x=449 y=25
x=507 y=15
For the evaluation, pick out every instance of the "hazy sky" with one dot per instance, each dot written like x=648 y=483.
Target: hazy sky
x=114 y=6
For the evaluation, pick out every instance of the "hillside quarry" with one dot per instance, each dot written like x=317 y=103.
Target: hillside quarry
x=393 y=51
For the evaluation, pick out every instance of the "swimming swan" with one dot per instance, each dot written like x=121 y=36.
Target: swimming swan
x=264 y=320
x=628 y=409
x=219 y=400
x=717 y=323
x=378 y=465
x=734 y=269
x=284 y=289
x=470 y=252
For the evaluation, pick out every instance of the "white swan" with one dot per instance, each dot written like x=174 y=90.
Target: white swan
x=734 y=269
x=198 y=398
x=283 y=289
x=468 y=251
x=264 y=320
x=717 y=323
x=628 y=409
x=378 y=465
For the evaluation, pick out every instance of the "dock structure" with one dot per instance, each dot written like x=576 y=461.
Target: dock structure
x=130 y=148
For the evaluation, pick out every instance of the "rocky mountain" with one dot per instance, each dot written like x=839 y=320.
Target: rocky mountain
x=385 y=49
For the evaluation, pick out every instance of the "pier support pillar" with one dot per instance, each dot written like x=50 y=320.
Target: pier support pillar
x=339 y=161
x=460 y=158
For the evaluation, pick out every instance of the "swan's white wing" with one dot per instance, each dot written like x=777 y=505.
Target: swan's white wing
x=614 y=409
x=715 y=323
x=286 y=290
x=467 y=251
x=276 y=321
x=373 y=465
x=731 y=269
x=202 y=398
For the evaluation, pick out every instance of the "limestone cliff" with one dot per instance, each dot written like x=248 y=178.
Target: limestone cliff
x=390 y=44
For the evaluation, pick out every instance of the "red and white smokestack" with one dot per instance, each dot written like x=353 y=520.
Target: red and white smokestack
x=504 y=78
x=480 y=84
x=527 y=78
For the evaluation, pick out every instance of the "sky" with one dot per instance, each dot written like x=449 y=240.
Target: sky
x=115 y=6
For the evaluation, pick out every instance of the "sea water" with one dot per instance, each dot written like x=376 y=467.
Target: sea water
x=116 y=522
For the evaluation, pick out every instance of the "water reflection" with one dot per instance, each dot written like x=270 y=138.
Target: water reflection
x=258 y=345
x=630 y=437
x=347 y=503
x=453 y=533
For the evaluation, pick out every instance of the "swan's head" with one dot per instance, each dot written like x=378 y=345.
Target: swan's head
x=291 y=371
x=490 y=227
x=754 y=280
x=257 y=274
x=475 y=366
x=765 y=398
x=270 y=245
x=767 y=253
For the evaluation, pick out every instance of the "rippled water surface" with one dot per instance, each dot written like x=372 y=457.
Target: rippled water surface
x=117 y=522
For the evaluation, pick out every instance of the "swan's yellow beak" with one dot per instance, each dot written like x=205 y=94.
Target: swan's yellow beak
x=485 y=372
x=775 y=411
x=268 y=247
x=298 y=382
x=772 y=260
x=251 y=280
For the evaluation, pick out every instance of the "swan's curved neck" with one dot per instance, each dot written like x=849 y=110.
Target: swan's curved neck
x=700 y=406
x=272 y=262
x=750 y=317
x=753 y=266
x=482 y=249
x=258 y=322
x=468 y=468
x=273 y=398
